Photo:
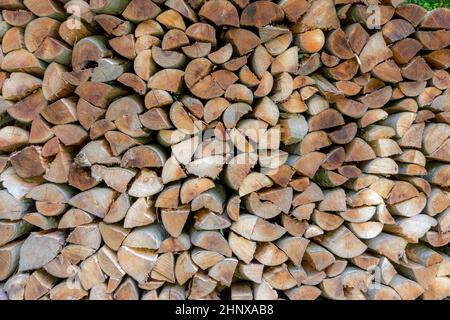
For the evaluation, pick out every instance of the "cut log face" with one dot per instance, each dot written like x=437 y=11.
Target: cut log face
x=190 y=149
x=32 y=255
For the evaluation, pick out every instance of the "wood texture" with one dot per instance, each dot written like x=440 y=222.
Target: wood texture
x=224 y=149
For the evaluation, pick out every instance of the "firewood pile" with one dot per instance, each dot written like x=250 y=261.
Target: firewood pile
x=190 y=149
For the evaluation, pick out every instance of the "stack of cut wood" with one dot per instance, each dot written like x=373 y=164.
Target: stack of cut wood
x=190 y=149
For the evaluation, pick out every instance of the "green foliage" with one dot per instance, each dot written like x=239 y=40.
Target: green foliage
x=432 y=4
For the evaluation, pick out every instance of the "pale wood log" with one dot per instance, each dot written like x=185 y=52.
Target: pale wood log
x=436 y=239
x=76 y=253
x=38 y=285
x=223 y=271
x=86 y=235
x=109 y=263
x=206 y=259
x=264 y=209
x=411 y=207
x=303 y=293
x=229 y=15
x=184 y=268
x=241 y=247
x=202 y=285
x=172 y=292
x=41 y=221
x=276 y=40
x=209 y=220
x=15 y=286
x=390 y=246
x=197 y=50
x=407 y=289
x=343 y=243
x=181 y=243
x=127 y=290
x=10 y=256
x=437 y=289
x=12 y=230
x=263 y=291
x=319 y=16
x=144 y=156
x=174 y=220
x=15 y=185
x=62 y=267
x=136 y=262
x=332 y=288
x=52 y=242
x=141 y=212
x=211 y=240
x=318 y=257
x=96 y=201
x=336 y=268
x=383 y=293
x=164 y=268
x=241 y=291
x=113 y=235
x=252 y=272
x=313 y=277
x=149 y=237
x=90 y=273
x=326 y=221
x=255 y=228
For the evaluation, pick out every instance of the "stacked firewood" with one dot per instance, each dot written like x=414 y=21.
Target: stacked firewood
x=190 y=149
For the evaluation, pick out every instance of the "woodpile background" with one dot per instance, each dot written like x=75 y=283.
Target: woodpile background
x=190 y=149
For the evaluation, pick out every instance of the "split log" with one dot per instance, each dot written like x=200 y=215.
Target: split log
x=214 y=149
x=52 y=242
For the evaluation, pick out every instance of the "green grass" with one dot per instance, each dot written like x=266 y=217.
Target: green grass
x=432 y=4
